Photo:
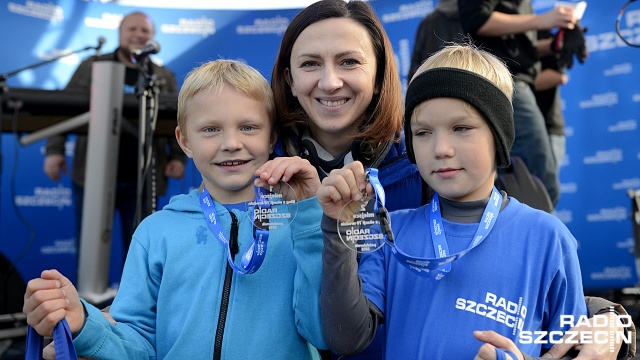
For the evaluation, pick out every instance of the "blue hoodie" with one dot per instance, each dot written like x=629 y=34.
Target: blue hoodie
x=170 y=296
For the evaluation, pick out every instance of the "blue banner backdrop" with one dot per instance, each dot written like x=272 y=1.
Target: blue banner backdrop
x=601 y=103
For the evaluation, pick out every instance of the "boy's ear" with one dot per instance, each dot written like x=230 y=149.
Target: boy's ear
x=183 y=142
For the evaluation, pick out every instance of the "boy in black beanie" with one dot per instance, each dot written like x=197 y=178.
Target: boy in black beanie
x=520 y=274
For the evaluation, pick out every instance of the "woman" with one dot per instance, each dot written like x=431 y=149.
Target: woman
x=339 y=98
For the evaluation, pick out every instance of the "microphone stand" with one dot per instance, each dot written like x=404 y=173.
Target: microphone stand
x=4 y=77
x=147 y=92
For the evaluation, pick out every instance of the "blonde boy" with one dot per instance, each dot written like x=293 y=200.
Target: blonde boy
x=182 y=295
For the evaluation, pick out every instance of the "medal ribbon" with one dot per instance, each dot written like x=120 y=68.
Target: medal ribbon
x=438 y=267
x=62 y=341
x=255 y=254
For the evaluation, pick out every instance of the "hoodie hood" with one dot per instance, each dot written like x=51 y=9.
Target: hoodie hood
x=189 y=203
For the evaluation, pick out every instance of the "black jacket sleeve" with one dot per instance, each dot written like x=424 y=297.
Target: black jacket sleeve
x=349 y=319
x=475 y=13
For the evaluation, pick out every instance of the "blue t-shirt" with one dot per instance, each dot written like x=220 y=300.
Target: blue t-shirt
x=522 y=277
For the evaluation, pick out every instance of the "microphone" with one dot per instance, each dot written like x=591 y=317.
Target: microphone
x=151 y=47
x=101 y=41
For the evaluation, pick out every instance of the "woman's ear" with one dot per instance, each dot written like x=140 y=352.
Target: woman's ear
x=289 y=80
x=183 y=141
x=273 y=141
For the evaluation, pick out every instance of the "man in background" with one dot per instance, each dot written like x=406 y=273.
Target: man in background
x=135 y=30
x=508 y=28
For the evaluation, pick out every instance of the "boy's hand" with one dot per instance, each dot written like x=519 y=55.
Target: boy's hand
x=342 y=186
x=49 y=299
x=295 y=171
x=494 y=340
x=49 y=351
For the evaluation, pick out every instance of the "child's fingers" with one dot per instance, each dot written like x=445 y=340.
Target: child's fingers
x=278 y=170
x=40 y=297
x=49 y=299
x=486 y=352
x=39 y=284
x=273 y=170
x=44 y=325
x=49 y=352
x=45 y=308
x=301 y=168
x=494 y=340
x=54 y=274
x=285 y=170
x=264 y=171
x=261 y=183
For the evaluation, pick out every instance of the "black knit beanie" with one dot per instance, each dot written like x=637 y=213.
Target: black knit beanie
x=491 y=102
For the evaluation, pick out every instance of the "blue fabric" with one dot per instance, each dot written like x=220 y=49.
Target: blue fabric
x=524 y=276
x=62 y=341
x=169 y=299
x=532 y=143
x=35 y=344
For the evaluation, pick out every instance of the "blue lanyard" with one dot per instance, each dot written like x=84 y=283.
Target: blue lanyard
x=438 y=267
x=254 y=256
x=62 y=341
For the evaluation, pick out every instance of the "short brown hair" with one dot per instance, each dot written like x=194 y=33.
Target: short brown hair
x=383 y=117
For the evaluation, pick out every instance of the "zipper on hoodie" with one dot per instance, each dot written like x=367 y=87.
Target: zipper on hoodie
x=226 y=290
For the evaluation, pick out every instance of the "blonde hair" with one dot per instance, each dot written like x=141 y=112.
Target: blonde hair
x=471 y=58
x=475 y=76
x=214 y=75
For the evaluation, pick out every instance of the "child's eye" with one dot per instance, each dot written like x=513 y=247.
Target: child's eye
x=462 y=128
x=247 y=128
x=420 y=133
x=210 y=129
